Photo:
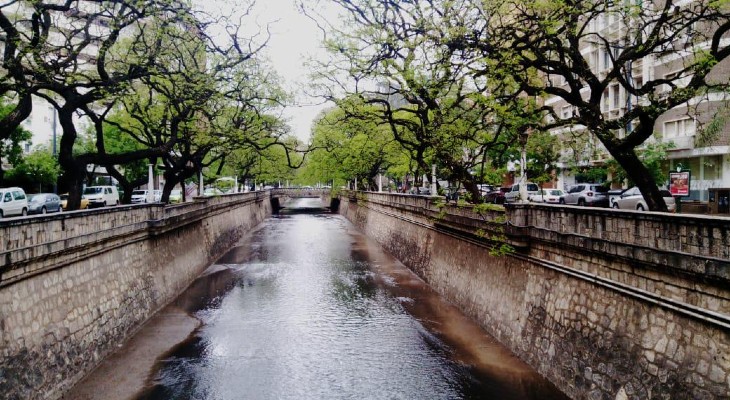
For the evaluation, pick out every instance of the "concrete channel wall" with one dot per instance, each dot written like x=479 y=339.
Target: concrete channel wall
x=73 y=286
x=606 y=304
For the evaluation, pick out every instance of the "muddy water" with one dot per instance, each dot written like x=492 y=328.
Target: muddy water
x=308 y=308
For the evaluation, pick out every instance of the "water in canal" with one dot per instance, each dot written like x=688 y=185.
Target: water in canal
x=308 y=308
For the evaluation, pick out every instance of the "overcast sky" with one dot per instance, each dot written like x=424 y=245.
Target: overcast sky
x=294 y=38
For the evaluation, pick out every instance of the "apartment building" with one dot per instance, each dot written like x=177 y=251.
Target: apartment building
x=707 y=160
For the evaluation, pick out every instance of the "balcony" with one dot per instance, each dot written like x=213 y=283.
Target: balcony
x=681 y=142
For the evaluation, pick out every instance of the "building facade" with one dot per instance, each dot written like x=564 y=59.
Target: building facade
x=685 y=129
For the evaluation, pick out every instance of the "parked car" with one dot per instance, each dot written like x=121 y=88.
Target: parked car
x=484 y=189
x=64 y=202
x=425 y=191
x=496 y=196
x=42 y=203
x=547 y=196
x=514 y=193
x=587 y=194
x=100 y=196
x=632 y=199
x=13 y=202
x=175 y=196
x=140 y=196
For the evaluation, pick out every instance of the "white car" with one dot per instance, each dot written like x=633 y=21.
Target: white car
x=13 y=201
x=631 y=199
x=100 y=196
x=140 y=196
x=551 y=196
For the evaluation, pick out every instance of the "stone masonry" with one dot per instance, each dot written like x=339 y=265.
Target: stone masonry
x=74 y=286
x=606 y=304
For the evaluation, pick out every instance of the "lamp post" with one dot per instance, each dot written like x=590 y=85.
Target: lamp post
x=150 y=184
x=433 y=180
x=678 y=199
x=55 y=155
x=523 y=166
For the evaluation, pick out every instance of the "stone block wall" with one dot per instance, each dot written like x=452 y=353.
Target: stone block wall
x=74 y=286
x=606 y=304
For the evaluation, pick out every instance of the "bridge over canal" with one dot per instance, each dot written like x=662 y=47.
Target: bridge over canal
x=603 y=303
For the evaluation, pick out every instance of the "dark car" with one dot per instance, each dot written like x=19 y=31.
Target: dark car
x=496 y=196
x=42 y=203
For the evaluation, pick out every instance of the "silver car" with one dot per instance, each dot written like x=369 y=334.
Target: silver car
x=632 y=199
x=42 y=203
x=586 y=194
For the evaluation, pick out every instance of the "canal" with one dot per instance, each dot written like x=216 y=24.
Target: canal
x=306 y=307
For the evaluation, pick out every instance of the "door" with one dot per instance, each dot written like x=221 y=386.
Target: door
x=723 y=201
x=572 y=196
x=8 y=204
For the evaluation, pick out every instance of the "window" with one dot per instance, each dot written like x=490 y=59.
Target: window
x=566 y=112
x=678 y=80
x=679 y=128
x=18 y=195
x=616 y=96
x=606 y=59
x=8 y=197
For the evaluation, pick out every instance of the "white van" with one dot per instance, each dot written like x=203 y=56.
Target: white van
x=13 y=201
x=100 y=196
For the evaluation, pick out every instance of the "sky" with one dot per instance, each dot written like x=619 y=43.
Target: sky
x=294 y=38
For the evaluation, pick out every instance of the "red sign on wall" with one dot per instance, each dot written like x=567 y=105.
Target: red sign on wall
x=679 y=183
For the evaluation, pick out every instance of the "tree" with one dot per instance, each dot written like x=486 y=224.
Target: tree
x=37 y=170
x=561 y=49
x=543 y=153
x=11 y=146
x=654 y=156
x=352 y=148
x=79 y=55
x=402 y=62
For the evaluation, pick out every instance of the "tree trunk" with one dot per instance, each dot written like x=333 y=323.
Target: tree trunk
x=74 y=171
x=640 y=175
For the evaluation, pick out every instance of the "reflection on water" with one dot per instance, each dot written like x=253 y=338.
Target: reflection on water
x=307 y=312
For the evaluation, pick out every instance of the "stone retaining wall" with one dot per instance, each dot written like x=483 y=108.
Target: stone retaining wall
x=606 y=304
x=74 y=286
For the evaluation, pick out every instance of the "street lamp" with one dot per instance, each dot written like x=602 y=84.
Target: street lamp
x=55 y=155
x=150 y=185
